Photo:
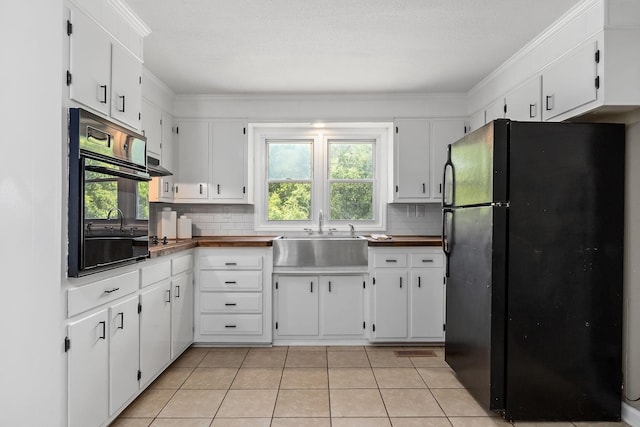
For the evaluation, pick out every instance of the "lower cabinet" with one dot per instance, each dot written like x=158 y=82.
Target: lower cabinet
x=319 y=306
x=122 y=332
x=408 y=294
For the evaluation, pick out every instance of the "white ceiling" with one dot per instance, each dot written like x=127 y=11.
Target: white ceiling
x=335 y=46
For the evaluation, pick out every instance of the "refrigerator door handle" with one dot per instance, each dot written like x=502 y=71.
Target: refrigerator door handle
x=448 y=165
x=446 y=236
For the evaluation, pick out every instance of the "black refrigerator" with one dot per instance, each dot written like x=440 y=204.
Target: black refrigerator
x=533 y=237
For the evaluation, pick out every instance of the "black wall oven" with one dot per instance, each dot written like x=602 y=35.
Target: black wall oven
x=108 y=195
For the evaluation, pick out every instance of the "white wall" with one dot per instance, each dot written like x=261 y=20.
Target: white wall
x=32 y=354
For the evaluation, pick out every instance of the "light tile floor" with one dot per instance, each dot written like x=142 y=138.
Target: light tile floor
x=311 y=386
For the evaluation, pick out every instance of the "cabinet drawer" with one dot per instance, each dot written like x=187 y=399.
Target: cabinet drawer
x=89 y=296
x=155 y=273
x=231 y=324
x=181 y=264
x=390 y=260
x=212 y=280
x=231 y=261
x=230 y=302
x=426 y=260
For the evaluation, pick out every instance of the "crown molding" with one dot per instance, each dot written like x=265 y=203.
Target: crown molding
x=132 y=18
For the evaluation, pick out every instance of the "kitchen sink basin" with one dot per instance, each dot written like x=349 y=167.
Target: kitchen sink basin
x=320 y=251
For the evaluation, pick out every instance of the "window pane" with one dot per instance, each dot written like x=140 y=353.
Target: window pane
x=289 y=201
x=351 y=201
x=142 y=212
x=289 y=160
x=351 y=161
x=100 y=197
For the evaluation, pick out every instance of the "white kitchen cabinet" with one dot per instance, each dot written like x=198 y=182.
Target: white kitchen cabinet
x=124 y=361
x=152 y=128
x=192 y=175
x=342 y=301
x=495 y=110
x=87 y=364
x=161 y=188
x=103 y=75
x=426 y=294
x=570 y=82
x=297 y=306
x=89 y=77
x=443 y=133
x=229 y=160
x=523 y=103
x=390 y=305
x=476 y=120
x=126 y=86
x=155 y=329
x=411 y=160
x=232 y=303
x=407 y=294
x=181 y=313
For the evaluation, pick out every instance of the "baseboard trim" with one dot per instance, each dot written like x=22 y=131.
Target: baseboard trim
x=630 y=415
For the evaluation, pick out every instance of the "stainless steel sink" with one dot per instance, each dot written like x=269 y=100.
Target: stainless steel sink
x=320 y=251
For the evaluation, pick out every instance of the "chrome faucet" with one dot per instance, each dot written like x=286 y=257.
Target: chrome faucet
x=121 y=216
x=320 y=221
x=352 y=230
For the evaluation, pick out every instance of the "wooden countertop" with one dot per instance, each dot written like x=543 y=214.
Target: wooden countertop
x=406 y=241
x=265 y=241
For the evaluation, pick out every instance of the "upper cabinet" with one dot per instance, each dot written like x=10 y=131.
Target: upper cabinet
x=104 y=74
x=419 y=154
x=152 y=129
x=158 y=127
x=587 y=62
x=212 y=162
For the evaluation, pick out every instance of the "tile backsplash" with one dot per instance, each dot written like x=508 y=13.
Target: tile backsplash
x=238 y=220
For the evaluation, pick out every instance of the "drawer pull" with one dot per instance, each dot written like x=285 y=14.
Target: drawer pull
x=230 y=304
x=108 y=291
x=230 y=282
x=230 y=326
x=230 y=263
x=427 y=260
x=104 y=330
x=392 y=260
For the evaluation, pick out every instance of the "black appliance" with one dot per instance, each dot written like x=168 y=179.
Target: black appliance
x=533 y=233
x=108 y=194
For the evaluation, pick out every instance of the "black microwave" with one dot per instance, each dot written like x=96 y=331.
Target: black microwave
x=108 y=195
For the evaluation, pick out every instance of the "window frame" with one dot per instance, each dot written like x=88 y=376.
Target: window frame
x=380 y=133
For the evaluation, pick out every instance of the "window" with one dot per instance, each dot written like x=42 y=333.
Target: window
x=338 y=170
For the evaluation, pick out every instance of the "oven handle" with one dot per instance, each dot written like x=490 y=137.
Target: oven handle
x=107 y=171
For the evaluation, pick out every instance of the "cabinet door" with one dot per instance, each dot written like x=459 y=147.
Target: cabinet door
x=494 y=111
x=343 y=305
x=90 y=63
x=182 y=313
x=228 y=160
x=443 y=133
x=297 y=305
x=167 y=145
x=390 y=304
x=427 y=303
x=523 y=103
x=124 y=352
x=476 y=120
x=192 y=176
x=152 y=129
x=126 y=87
x=88 y=363
x=570 y=82
x=155 y=330
x=411 y=159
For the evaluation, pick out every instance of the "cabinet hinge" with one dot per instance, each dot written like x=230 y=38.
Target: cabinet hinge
x=444 y=327
x=139 y=374
x=67 y=344
x=597 y=56
x=139 y=307
x=374 y=280
x=396 y=129
x=597 y=82
x=68 y=78
x=276 y=325
x=505 y=108
x=276 y=285
x=373 y=327
x=364 y=325
x=69 y=28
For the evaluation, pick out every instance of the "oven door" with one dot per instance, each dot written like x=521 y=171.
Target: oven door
x=113 y=220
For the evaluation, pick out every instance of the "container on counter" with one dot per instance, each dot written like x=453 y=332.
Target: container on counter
x=184 y=227
x=167 y=223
